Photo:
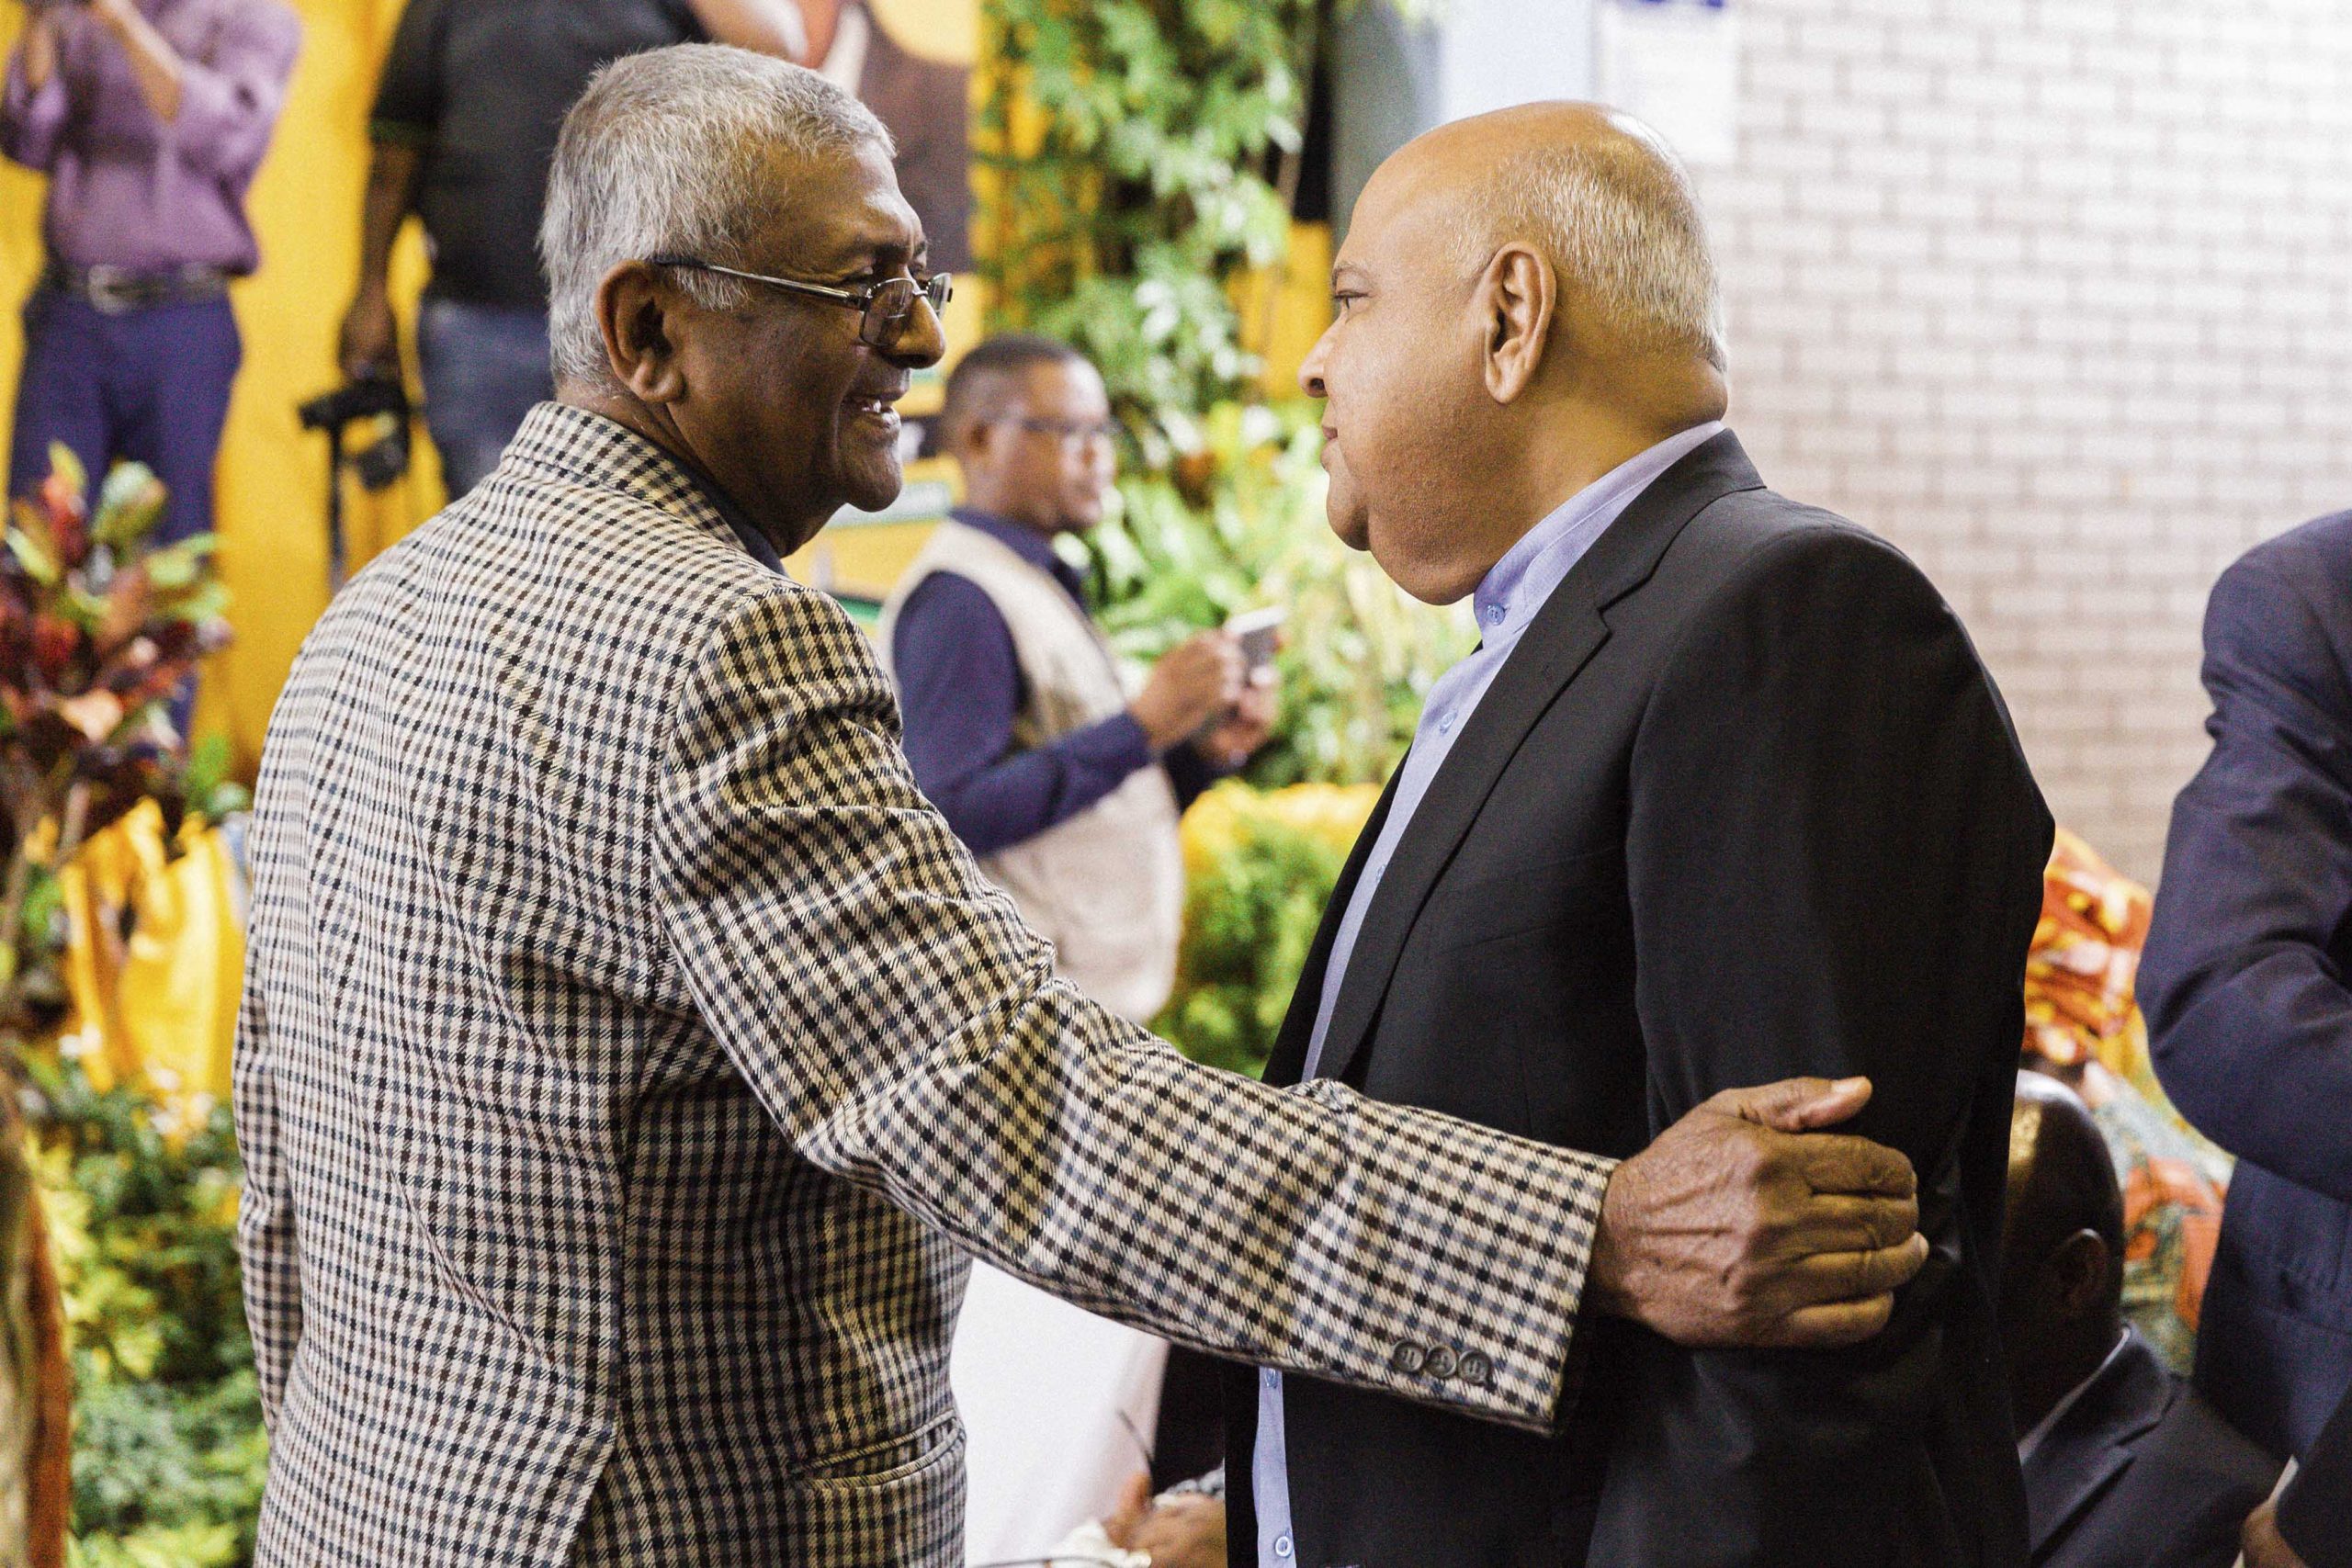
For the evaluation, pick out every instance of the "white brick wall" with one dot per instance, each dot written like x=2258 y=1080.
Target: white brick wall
x=2057 y=295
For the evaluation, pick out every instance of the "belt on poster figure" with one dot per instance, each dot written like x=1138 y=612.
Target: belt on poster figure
x=115 y=290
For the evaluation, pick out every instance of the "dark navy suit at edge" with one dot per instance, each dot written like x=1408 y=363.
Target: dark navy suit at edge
x=2243 y=981
x=2141 y=1474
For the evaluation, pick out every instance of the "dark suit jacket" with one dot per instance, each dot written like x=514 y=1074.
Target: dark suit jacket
x=1742 y=803
x=2141 y=1473
x=2243 y=981
x=2315 y=1516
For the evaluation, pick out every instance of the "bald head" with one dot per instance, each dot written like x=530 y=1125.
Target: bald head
x=2062 y=1249
x=2061 y=1179
x=1600 y=193
x=1523 y=303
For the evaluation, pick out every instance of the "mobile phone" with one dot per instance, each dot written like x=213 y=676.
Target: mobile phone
x=1260 y=634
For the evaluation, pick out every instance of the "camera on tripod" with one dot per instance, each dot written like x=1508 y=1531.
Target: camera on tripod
x=379 y=405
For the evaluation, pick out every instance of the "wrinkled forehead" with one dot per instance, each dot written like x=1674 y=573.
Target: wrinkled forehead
x=837 y=213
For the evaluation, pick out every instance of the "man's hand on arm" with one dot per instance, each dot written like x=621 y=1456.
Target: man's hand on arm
x=1743 y=1225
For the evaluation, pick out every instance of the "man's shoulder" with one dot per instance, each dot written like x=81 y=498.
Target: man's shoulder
x=2313 y=559
x=541 y=560
x=1752 y=542
x=2192 y=1446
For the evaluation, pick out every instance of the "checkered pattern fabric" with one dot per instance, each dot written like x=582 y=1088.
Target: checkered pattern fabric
x=631 y=1058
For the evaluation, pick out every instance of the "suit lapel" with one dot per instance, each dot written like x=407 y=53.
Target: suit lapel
x=1288 y=1062
x=1566 y=633
x=2091 y=1445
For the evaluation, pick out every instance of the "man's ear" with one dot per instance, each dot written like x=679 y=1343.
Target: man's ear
x=1519 y=297
x=2081 y=1268
x=973 y=442
x=636 y=312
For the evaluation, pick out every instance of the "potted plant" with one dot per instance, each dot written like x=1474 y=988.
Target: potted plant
x=98 y=633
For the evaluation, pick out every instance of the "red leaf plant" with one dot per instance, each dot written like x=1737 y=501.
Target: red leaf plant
x=98 y=630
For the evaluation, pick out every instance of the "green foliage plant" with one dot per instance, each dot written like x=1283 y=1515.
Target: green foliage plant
x=1240 y=524
x=98 y=628
x=1125 y=148
x=1259 y=866
x=169 y=1454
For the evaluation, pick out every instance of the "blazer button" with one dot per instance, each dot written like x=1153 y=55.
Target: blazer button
x=1409 y=1358
x=1476 y=1369
x=1440 y=1364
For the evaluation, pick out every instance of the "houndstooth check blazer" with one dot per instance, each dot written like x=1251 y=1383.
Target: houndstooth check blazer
x=631 y=1060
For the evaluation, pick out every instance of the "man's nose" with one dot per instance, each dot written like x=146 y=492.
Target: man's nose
x=922 y=342
x=1310 y=374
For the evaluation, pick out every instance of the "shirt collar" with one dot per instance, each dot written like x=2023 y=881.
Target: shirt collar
x=1025 y=542
x=750 y=538
x=1518 y=586
x=589 y=448
x=2048 y=1424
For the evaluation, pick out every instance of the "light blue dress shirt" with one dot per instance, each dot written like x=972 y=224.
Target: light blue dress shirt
x=1507 y=601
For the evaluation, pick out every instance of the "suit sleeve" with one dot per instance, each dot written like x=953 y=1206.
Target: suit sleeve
x=1834 y=862
x=267 y=1246
x=2315 y=1515
x=907 y=1034
x=2250 y=1017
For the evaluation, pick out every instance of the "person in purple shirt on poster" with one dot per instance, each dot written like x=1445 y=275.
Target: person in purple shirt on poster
x=150 y=119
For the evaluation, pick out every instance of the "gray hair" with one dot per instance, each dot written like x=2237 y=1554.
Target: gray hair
x=669 y=151
x=1620 y=218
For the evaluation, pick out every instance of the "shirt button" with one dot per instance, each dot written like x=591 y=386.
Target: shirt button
x=1445 y=724
x=1273 y=1379
x=1281 y=1544
x=1495 y=615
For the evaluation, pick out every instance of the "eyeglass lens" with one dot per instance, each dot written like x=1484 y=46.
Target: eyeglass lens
x=894 y=301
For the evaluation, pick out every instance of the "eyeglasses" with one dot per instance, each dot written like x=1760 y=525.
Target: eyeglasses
x=885 y=307
x=1072 y=438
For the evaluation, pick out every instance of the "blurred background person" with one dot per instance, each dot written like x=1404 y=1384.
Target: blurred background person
x=463 y=130
x=1020 y=730
x=2243 y=982
x=150 y=119
x=2124 y=1466
x=925 y=103
x=1018 y=722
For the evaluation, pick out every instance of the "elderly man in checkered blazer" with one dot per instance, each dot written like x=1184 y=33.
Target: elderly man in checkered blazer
x=631 y=1058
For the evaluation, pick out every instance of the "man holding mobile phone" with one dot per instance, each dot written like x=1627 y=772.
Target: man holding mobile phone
x=1066 y=786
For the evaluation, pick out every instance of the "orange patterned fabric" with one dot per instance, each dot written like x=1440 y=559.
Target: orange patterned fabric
x=2085 y=956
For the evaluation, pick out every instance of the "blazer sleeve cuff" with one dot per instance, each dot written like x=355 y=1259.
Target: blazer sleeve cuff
x=1501 y=1229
